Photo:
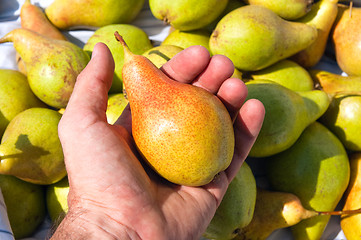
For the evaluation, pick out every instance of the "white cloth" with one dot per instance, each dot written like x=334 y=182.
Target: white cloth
x=157 y=31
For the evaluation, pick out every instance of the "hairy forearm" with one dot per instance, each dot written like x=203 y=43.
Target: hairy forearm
x=79 y=225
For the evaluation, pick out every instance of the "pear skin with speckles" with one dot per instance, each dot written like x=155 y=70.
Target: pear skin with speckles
x=183 y=132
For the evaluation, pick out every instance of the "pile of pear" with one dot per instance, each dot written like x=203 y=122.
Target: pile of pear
x=309 y=147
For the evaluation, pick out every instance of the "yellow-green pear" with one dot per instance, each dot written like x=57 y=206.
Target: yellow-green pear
x=159 y=55
x=343 y=119
x=16 y=96
x=287 y=73
x=346 y=39
x=30 y=148
x=237 y=207
x=322 y=15
x=25 y=204
x=288 y=113
x=138 y=41
x=254 y=37
x=286 y=9
x=183 y=132
x=52 y=65
x=316 y=169
x=71 y=14
x=186 y=39
x=351 y=224
x=57 y=200
x=116 y=104
x=334 y=83
x=187 y=15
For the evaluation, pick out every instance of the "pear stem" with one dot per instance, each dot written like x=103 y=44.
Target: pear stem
x=344 y=212
x=120 y=39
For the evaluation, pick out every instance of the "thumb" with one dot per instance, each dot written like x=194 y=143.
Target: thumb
x=90 y=92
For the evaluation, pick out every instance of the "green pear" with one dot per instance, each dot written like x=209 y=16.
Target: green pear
x=287 y=73
x=343 y=119
x=159 y=55
x=254 y=37
x=186 y=39
x=346 y=37
x=116 y=104
x=231 y=5
x=30 y=148
x=25 y=203
x=70 y=14
x=52 y=65
x=187 y=15
x=333 y=83
x=16 y=96
x=317 y=170
x=136 y=38
x=322 y=15
x=286 y=9
x=57 y=200
x=237 y=207
x=288 y=113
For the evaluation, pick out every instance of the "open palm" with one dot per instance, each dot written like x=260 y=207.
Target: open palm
x=112 y=192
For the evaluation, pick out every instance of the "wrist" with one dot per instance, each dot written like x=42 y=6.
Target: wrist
x=82 y=224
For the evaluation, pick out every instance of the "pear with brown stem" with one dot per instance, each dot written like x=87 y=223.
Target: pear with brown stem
x=183 y=132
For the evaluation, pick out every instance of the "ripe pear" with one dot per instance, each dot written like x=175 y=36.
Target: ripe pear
x=187 y=15
x=186 y=39
x=30 y=148
x=254 y=37
x=25 y=203
x=287 y=73
x=288 y=113
x=52 y=65
x=343 y=119
x=351 y=224
x=71 y=14
x=159 y=55
x=116 y=104
x=138 y=41
x=184 y=132
x=333 y=83
x=57 y=200
x=237 y=207
x=33 y=18
x=286 y=9
x=16 y=96
x=322 y=15
x=316 y=169
x=346 y=38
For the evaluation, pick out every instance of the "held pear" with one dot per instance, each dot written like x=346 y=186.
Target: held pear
x=288 y=113
x=322 y=15
x=72 y=14
x=254 y=37
x=351 y=224
x=286 y=9
x=182 y=131
x=52 y=65
x=16 y=96
x=346 y=38
x=30 y=148
x=316 y=169
x=25 y=203
x=187 y=15
x=237 y=206
x=287 y=73
x=137 y=40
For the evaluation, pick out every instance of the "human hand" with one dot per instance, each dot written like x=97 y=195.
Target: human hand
x=112 y=193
